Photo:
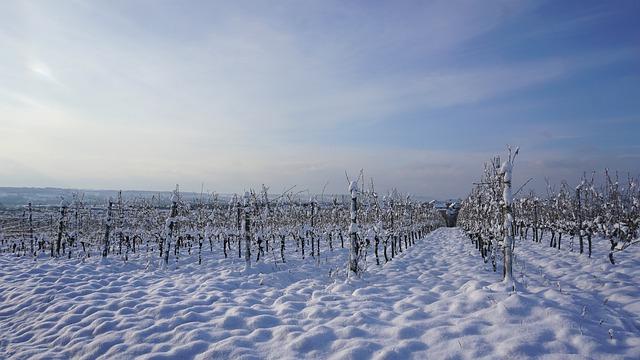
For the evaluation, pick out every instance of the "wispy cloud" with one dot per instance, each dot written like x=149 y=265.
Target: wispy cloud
x=285 y=92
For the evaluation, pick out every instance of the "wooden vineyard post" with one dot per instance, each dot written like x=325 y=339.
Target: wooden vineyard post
x=61 y=225
x=246 y=231
x=353 y=229
x=33 y=253
x=578 y=188
x=170 y=226
x=105 y=249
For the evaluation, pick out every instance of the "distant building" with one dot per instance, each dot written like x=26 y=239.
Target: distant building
x=448 y=209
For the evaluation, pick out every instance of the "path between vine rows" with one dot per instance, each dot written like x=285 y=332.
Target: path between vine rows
x=437 y=299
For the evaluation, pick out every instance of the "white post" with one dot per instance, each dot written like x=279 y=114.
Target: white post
x=506 y=171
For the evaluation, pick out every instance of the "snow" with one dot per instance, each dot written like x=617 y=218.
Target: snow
x=507 y=170
x=353 y=189
x=435 y=300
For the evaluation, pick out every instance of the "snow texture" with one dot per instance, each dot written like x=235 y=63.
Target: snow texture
x=436 y=300
x=507 y=170
x=353 y=189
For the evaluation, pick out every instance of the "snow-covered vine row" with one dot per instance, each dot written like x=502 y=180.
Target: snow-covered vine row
x=572 y=217
x=255 y=226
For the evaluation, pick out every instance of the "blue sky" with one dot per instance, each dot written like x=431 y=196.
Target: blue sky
x=228 y=95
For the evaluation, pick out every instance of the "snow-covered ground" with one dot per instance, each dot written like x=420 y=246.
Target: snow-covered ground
x=436 y=300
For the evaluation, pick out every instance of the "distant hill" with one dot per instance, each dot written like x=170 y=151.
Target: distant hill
x=18 y=197
x=11 y=197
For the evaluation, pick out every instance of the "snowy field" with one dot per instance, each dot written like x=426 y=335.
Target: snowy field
x=436 y=300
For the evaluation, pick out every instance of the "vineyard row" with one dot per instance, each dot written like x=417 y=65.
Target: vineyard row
x=579 y=214
x=248 y=226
